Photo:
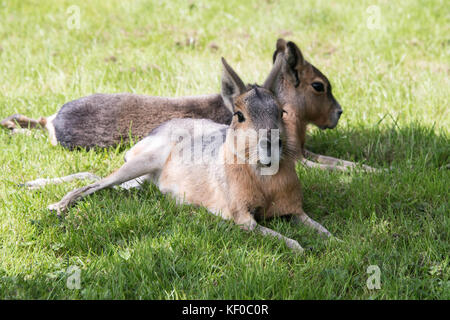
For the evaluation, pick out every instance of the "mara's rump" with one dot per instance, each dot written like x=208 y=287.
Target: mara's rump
x=104 y=120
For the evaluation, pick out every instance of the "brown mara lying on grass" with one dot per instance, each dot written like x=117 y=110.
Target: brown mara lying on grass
x=103 y=120
x=263 y=185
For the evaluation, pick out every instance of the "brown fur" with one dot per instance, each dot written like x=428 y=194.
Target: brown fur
x=302 y=102
x=264 y=196
x=258 y=196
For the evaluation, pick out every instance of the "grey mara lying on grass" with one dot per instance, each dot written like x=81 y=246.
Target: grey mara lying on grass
x=227 y=187
x=103 y=120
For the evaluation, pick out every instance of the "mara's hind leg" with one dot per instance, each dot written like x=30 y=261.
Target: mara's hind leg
x=135 y=183
x=150 y=144
x=20 y=124
x=39 y=183
x=132 y=169
x=42 y=182
x=146 y=151
x=17 y=121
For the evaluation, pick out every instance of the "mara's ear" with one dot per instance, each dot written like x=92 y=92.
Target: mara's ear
x=294 y=61
x=232 y=85
x=271 y=81
x=280 y=47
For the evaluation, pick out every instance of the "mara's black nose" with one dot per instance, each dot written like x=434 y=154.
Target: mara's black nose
x=340 y=112
x=265 y=145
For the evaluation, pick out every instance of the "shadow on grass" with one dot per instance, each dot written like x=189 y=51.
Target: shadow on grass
x=400 y=212
x=384 y=146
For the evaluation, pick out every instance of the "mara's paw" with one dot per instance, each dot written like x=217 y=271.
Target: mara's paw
x=58 y=208
x=368 y=168
x=8 y=124
x=375 y=170
x=333 y=238
x=294 y=245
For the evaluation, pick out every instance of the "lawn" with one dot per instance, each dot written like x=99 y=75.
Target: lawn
x=389 y=64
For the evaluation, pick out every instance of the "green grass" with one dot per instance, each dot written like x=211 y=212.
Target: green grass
x=393 y=83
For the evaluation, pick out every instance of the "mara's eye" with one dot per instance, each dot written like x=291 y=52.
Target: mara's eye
x=283 y=112
x=240 y=116
x=318 y=86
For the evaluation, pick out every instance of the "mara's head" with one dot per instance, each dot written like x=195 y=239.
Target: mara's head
x=304 y=88
x=256 y=132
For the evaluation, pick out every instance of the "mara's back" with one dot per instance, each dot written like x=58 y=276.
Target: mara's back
x=104 y=120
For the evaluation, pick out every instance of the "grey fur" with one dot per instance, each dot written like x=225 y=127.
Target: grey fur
x=103 y=120
x=263 y=109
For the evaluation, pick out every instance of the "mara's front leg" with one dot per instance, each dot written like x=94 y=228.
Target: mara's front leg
x=311 y=164
x=132 y=169
x=290 y=203
x=330 y=163
x=247 y=222
x=302 y=217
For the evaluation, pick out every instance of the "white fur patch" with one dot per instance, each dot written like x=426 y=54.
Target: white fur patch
x=51 y=130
